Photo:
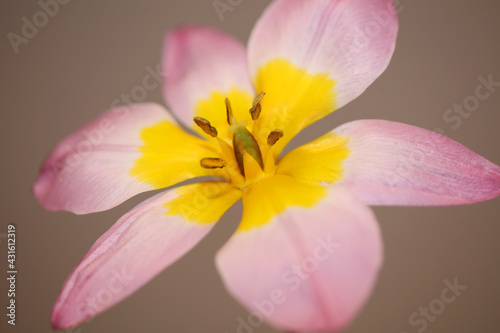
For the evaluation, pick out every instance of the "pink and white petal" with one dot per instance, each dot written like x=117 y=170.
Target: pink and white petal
x=137 y=247
x=198 y=62
x=396 y=164
x=110 y=160
x=309 y=269
x=351 y=41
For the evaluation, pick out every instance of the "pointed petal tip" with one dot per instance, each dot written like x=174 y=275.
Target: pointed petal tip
x=398 y=164
x=56 y=324
x=65 y=313
x=60 y=321
x=42 y=187
x=492 y=181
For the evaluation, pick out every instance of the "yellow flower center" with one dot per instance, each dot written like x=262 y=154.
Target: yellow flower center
x=246 y=159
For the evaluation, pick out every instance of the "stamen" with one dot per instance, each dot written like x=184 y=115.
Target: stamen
x=205 y=126
x=274 y=136
x=229 y=112
x=256 y=108
x=212 y=163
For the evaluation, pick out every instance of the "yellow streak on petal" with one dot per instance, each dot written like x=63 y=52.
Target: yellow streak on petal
x=320 y=160
x=294 y=99
x=170 y=155
x=273 y=195
x=203 y=203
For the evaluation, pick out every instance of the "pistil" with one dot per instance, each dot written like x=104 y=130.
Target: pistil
x=244 y=142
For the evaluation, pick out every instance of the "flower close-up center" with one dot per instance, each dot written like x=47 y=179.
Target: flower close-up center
x=245 y=158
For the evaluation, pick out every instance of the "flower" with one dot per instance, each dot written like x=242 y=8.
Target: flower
x=308 y=249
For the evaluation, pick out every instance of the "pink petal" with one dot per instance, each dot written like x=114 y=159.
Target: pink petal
x=352 y=41
x=90 y=170
x=397 y=164
x=137 y=247
x=199 y=61
x=309 y=269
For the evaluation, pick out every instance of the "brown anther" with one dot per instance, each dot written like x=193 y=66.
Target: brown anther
x=274 y=136
x=229 y=111
x=205 y=126
x=212 y=163
x=256 y=108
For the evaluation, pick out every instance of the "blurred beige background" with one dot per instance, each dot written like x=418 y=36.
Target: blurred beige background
x=91 y=52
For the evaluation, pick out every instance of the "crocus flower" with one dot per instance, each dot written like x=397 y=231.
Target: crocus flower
x=308 y=249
